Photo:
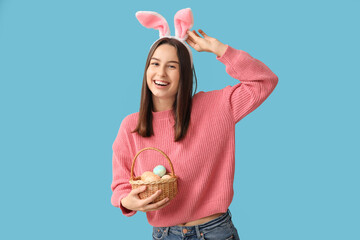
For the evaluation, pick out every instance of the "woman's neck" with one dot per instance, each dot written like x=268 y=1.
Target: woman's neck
x=161 y=109
x=161 y=105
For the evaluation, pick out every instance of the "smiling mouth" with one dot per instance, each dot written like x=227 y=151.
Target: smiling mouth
x=161 y=83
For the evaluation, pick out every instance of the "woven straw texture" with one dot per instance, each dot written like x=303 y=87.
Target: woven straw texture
x=168 y=186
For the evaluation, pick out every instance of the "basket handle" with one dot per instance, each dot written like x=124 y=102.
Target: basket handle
x=150 y=148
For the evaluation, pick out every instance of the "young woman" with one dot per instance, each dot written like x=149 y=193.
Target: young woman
x=197 y=132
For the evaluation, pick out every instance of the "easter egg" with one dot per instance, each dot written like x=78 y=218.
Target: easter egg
x=151 y=178
x=159 y=170
x=166 y=176
x=146 y=174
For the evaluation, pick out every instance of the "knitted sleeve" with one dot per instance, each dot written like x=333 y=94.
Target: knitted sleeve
x=257 y=82
x=121 y=168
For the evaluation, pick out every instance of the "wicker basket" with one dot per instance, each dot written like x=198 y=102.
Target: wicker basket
x=168 y=186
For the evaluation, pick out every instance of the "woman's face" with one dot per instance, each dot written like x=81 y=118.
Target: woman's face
x=164 y=68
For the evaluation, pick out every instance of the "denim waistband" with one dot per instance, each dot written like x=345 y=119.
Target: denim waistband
x=195 y=230
x=215 y=221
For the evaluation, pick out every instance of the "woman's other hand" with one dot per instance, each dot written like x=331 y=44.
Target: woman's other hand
x=206 y=43
x=133 y=202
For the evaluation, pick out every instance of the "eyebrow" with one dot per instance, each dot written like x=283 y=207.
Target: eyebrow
x=168 y=61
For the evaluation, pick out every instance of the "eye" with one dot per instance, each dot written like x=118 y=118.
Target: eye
x=154 y=63
x=172 y=66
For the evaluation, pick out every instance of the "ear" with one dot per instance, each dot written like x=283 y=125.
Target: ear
x=154 y=20
x=183 y=21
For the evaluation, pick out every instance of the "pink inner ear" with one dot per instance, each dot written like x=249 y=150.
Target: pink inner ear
x=153 y=20
x=183 y=21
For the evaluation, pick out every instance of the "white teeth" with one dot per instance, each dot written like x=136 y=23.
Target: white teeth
x=161 y=83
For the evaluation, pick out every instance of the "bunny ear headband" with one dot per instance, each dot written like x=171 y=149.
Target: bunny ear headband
x=183 y=21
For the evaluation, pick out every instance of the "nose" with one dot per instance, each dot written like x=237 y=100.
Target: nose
x=161 y=71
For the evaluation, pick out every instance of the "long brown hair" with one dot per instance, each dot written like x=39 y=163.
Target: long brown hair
x=184 y=95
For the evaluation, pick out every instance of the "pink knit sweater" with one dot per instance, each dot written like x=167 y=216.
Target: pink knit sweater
x=204 y=161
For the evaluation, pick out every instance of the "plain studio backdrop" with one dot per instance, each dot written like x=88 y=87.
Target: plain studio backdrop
x=71 y=70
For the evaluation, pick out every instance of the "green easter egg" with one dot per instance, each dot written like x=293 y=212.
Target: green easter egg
x=159 y=170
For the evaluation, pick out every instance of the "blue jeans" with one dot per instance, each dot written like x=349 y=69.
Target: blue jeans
x=221 y=228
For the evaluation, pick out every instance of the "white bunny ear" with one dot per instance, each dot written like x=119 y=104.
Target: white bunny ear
x=183 y=21
x=154 y=20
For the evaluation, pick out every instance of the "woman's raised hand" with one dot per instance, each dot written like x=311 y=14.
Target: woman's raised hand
x=133 y=202
x=206 y=43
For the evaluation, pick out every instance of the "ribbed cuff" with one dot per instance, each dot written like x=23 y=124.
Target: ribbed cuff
x=227 y=48
x=236 y=61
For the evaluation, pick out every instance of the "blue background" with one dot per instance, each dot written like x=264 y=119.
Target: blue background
x=70 y=71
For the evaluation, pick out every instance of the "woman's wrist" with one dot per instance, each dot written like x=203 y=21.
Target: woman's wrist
x=219 y=49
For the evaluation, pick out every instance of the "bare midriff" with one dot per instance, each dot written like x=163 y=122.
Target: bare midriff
x=201 y=220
